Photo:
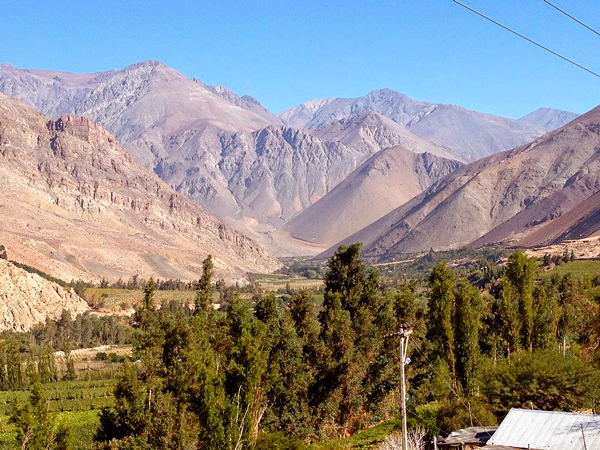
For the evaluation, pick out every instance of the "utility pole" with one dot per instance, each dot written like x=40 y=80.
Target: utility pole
x=404 y=332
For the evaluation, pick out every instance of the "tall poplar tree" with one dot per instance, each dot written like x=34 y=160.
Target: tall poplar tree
x=468 y=322
x=441 y=315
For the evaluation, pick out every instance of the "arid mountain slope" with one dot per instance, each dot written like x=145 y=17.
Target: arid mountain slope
x=549 y=118
x=272 y=174
x=75 y=204
x=27 y=299
x=468 y=134
x=508 y=194
x=580 y=222
x=385 y=181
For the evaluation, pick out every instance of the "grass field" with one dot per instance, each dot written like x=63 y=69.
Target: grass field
x=67 y=396
x=82 y=426
x=75 y=402
x=579 y=269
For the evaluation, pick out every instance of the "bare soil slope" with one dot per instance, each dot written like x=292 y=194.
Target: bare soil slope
x=385 y=181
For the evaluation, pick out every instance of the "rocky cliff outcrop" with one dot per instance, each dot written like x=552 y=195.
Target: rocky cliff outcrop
x=27 y=299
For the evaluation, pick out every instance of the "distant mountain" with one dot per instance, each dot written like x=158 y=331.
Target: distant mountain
x=385 y=181
x=76 y=205
x=550 y=119
x=274 y=173
x=469 y=135
x=53 y=93
x=368 y=131
x=508 y=195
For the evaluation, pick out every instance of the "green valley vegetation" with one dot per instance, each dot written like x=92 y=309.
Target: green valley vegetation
x=312 y=370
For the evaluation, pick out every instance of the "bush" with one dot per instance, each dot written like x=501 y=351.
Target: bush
x=457 y=414
x=278 y=441
x=543 y=380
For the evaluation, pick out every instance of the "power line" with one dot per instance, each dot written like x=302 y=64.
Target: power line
x=526 y=38
x=572 y=17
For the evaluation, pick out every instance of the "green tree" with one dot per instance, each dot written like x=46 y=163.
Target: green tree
x=508 y=308
x=440 y=329
x=520 y=275
x=36 y=428
x=468 y=323
x=347 y=275
x=542 y=379
x=204 y=290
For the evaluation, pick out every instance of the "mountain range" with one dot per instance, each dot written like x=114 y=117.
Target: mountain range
x=468 y=134
x=534 y=194
x=297 y=181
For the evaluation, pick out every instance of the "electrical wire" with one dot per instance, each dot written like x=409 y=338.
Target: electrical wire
x=571 y=17
x=527 y=39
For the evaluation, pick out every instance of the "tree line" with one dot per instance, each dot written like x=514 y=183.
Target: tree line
x=268 y=372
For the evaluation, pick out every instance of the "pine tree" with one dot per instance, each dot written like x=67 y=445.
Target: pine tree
x=347 y=276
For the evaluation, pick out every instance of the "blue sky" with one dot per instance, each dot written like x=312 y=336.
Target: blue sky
x=286 y=52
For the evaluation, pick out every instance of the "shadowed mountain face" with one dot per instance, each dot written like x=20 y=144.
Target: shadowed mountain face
x=507 y=195
x=75 y=204
x=468 y=134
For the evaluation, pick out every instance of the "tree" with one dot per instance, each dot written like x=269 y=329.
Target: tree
x=36 y=428
x=520 y=276
x=468 y=322
x=130 y=416
x=70 y=373
x=347 y=276
x=204 y=290
x=542 y=379
x=440 y=328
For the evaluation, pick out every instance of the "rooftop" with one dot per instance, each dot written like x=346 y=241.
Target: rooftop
x=547 y=430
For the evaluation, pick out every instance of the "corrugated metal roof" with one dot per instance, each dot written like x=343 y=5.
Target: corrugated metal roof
x=548 y=430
